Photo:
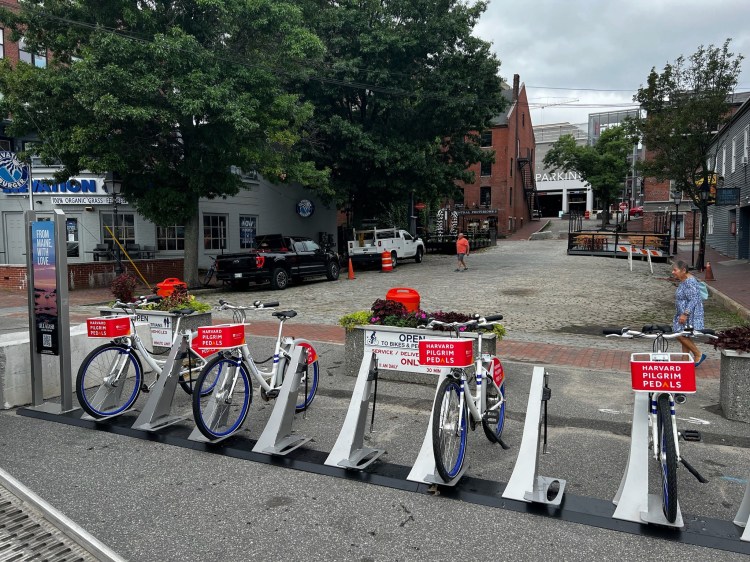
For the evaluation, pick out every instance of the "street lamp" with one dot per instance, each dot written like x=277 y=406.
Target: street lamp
x=113 y=186
x=677 y=197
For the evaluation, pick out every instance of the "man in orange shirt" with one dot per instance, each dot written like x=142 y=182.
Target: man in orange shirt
x=462 y=249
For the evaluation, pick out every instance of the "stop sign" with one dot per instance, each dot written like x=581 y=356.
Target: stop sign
x=419 y=206
x=623 y=206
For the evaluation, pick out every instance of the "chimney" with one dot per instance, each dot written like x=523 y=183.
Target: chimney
x=516 y=80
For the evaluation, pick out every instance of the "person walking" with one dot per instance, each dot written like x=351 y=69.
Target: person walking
x=462 y=250
x=688 y=308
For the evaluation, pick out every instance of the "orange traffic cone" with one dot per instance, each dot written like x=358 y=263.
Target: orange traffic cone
x=709 y=273
x=351 y=270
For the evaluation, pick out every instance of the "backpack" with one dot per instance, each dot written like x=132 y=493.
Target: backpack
x=704 y=290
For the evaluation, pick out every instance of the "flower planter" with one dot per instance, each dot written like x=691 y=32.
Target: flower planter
x=162 y=324
x=734 y=388
x=355 y=346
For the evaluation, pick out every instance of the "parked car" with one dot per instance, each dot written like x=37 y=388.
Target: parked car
x=278 y=259
x=636 y=211
x=536 y=214
x=369 y=245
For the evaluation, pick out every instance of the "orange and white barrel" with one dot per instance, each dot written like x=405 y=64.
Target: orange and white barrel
x=386 y=261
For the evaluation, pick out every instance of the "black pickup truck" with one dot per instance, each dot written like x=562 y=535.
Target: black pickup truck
x=278 y=259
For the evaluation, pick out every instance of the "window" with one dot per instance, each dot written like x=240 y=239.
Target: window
x=511 y=167
x=125 y=228
x=214 y=232
x=485 y=197
x=734 y=153
x=71 y=236
x=710 y=225
x=486 y=169
x=170 y=238
x=248 y=230
x=747 y=133
x=36 y=59
x=724 y=160
x=2 y=43
x=486 y=139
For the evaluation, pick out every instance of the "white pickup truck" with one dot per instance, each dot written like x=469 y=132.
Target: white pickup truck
x=369 y=245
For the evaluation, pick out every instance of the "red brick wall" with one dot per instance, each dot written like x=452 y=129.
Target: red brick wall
x=96 y=274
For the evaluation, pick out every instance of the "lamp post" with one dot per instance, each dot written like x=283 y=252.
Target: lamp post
x=677 y=197
x=113 y=186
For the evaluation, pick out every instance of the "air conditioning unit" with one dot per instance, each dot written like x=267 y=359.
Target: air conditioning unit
x=744 y=160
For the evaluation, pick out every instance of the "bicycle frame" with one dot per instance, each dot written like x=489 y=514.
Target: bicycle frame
x=482 y=381
x=266 y=379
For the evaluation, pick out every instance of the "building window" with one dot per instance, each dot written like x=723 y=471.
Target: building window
x=747 y=133
x=36 y=59
x=523 y=120
x=71 y=237
x=486 y=169
x=214 y=232
x=2 y=43
x=170 y=238
x=734 y=153
x=486 y=139
x=485 y=197
x=125 y=228
x=724 y=160
x=248 y=230
x=511 y=167
x=710 y=225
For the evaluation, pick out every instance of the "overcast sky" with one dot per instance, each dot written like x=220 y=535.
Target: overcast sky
x=584 y=45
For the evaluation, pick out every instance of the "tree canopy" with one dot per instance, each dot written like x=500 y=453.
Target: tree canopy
x=604 y=165
x=168 y=94
x=686 y=104
x=402 y=85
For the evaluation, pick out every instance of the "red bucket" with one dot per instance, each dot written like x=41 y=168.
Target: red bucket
x=167 y=287
x=408 y=297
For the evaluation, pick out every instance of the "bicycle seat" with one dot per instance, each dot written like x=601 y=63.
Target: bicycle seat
x=657 y=328
x=182 y=311
x=285 y=314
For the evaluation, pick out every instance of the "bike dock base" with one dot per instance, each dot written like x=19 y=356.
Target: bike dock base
x=277 y=438
x=525 y=484
x=349 y=450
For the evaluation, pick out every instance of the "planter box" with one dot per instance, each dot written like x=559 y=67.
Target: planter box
x=355 y=347
x=163 y=323
x=734 y=388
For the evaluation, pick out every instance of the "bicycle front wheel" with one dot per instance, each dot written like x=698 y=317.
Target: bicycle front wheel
x=493 y=426
x=448 y=433
x=667 y=458
x=108 y=380
x=221 y=397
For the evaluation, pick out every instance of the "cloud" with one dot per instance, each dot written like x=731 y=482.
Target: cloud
x=589 y=44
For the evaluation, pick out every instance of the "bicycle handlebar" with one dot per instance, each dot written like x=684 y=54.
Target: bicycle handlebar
x=478 y=322
x=257 y=305
x=659 y=331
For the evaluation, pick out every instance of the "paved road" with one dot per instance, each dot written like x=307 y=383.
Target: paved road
x=151 y=501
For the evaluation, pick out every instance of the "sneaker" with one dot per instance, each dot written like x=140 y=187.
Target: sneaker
x=458 y=269
x=702 y=359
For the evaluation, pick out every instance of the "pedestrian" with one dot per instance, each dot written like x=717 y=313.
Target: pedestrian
x=462 y=250
x=688 y=308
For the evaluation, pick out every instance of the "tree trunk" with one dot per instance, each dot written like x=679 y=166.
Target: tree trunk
x=700 y=264
x=190 y=269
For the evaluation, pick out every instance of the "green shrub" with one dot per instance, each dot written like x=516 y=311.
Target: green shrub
x=361 y=318
x=178 y=300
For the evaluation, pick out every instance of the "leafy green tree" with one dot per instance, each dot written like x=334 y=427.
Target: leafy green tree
x=403 y=84
x=603 y=165
x=686 y=104
x=169 y=94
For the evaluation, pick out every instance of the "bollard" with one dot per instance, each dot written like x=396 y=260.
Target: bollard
x=709 y=274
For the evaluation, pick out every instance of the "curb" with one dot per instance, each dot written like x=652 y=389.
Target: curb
x=68 y=527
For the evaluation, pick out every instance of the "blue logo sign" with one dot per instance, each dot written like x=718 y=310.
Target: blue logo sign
x=305 y=208
x=14 y=174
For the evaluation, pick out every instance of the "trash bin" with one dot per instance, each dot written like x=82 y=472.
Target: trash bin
x=408 y=297
x=167 y=287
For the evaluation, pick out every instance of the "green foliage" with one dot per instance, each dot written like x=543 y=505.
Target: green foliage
x=603 y=165
x=422 y=83
x=392 y=313
x=179 y=299
x=360 y=318
x=178 y=94
x=123 y=287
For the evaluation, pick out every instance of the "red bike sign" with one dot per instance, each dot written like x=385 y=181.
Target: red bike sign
x=662 y=372
x=447 y=353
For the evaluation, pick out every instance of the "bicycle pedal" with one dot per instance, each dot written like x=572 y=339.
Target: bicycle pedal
x=492 y=416
x=145 y=388
x=472 y=424
x=691 y=435
x=273 y=393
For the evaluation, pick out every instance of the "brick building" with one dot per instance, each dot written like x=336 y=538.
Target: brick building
x=503 y=193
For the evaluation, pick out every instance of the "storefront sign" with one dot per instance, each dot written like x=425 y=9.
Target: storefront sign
x=87 y=201
x=305 y=208
x=399 y=351
x=14 y=174
x=45 y=287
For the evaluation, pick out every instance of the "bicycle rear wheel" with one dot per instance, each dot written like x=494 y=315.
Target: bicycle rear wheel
x=494 y=429
x=448 y=434
x=667 y=458
x=309 y=384
x=221 y=397
x=109 y=380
